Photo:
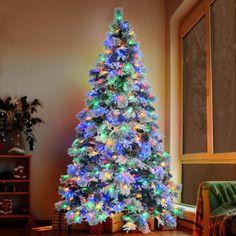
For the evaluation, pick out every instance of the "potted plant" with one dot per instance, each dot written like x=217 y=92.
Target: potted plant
x=17 y=118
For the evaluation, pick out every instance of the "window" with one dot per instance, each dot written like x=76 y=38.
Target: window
x=194 y=90
x=208 y=89
x=223 y=25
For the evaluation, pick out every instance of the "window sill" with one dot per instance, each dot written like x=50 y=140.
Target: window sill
x=187 y=219
x=204 y=158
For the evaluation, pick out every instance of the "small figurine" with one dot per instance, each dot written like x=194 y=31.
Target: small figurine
x=19 y=172
x=6 y=206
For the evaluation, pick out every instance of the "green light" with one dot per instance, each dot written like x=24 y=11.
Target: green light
x=89 y=205
x=64 y=205
x=125 y=87
x=176 y=211
x=130 y=208
x=111 y=190
x=151 y=176
x=101 y=57
x=103 y=136
x=165 y=155
x=108 y=165
x=154 y=156
x=76 y=142
x=131 y=42
x=64 y=177
x=118 y=14
x=145 y=183
x=148 y=129
x=102 y=216
x=156 y=212
x=77 y=218
x=118 y=18
x=130 y=163
x=130 y=109
x=145 y=215
x=131 y=98
x=82 y=149
x=121 y=168
x=76 y=160
x=127 y=67
x=124 y=128
x=126 y=218
x=94 y=103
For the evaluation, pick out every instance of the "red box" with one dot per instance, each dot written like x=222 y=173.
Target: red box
x=96 y=229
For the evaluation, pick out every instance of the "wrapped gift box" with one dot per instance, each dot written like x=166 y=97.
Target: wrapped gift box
x=113 y=223
x=59 y=223
x=84 y=226
x=96 y=229
x=151 y=223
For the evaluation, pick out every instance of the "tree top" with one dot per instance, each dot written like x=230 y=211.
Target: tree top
x=118 y=14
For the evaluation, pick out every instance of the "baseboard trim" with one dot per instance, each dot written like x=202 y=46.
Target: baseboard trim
x=185 y=223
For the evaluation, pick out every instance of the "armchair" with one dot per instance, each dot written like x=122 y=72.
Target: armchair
x=216 y=209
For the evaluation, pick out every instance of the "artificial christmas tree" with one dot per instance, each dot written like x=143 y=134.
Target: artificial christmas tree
x=119 y=164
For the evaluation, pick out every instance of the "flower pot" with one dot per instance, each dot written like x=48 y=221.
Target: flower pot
x=16 y=144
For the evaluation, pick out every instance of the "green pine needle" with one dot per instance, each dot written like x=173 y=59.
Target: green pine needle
x=118 y=14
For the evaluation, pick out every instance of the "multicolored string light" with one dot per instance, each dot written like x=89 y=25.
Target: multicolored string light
x=119 y=164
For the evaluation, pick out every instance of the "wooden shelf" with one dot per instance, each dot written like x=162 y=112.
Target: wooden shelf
x=22 y=197
x=15 y=181
x=15 y=156
x=14 y=216
x=14 y=193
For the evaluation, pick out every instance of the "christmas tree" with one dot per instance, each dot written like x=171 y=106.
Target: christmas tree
x=119 y=164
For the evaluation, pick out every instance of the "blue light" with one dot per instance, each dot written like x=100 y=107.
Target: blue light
x=100 y=147
x=125 y=25
x=71 y=169
x=121 y=118
x=109 y=153
x=69 y=195
x=119 y=148
x=91 y=198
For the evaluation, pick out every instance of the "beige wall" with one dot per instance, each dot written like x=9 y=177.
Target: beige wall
x=47 y=48
x=172 y=95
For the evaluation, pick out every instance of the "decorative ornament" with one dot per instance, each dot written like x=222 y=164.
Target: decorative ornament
x=19 y=172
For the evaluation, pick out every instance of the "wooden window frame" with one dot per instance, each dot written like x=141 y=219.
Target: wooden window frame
x=201 y=9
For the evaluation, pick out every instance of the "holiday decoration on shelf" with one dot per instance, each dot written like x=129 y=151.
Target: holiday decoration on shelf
x=119 y=164
x=6 y=206
x=19 y=172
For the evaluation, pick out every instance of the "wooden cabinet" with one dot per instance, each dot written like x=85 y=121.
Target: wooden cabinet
x=13 y=188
